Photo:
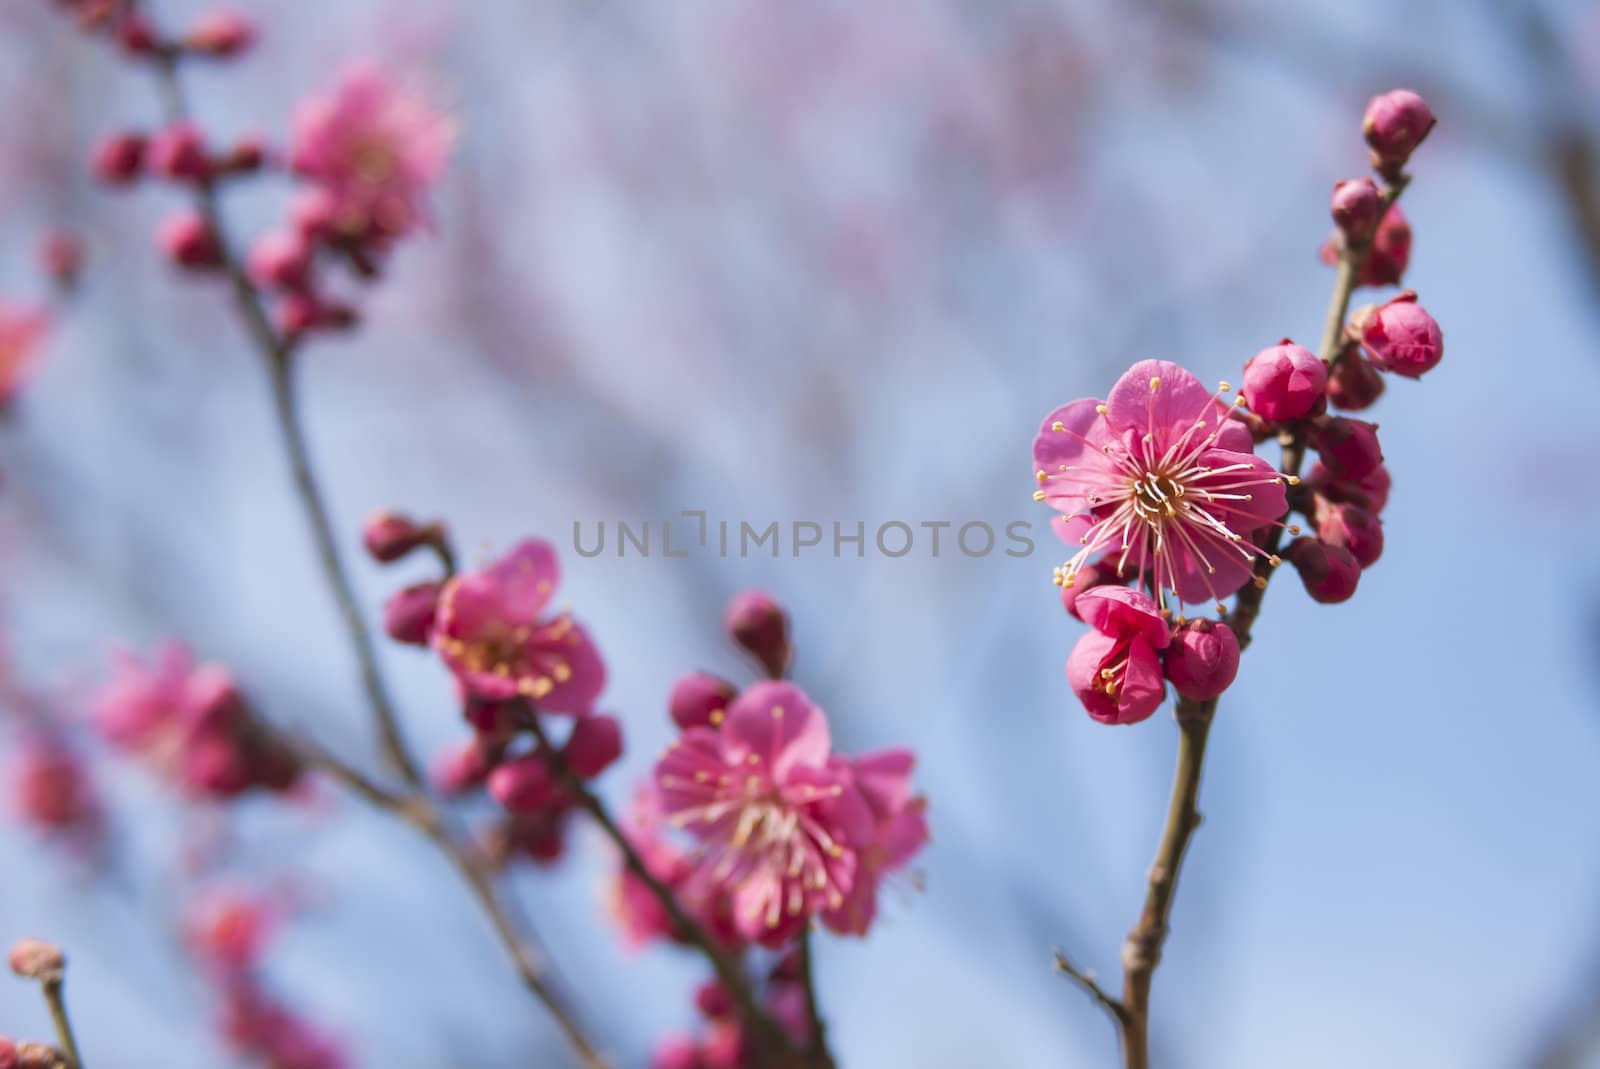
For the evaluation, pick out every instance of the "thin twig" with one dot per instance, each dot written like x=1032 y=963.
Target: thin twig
x=817 y=1043
x=1086 y=980
x=55 y=999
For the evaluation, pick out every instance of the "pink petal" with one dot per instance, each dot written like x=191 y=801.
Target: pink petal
x=1078 y=445
x=1121 y=612
x=1178 y=400
x=527 y=577
x=777 y=722
x=563 y=648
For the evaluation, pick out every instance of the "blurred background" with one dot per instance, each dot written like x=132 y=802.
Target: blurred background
x=833 y=262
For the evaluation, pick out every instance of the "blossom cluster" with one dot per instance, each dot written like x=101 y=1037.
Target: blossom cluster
x=366 y=152
x=1158 y=484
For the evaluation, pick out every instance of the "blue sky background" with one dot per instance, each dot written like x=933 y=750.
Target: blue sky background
x=835 y=265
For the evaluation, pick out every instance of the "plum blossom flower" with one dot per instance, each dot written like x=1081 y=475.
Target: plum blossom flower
x=896 y=829
x=1114 y=669
x=491 y=630
x=376 y=147
x=761 y=798
x=21 y=331
x=1159 y=474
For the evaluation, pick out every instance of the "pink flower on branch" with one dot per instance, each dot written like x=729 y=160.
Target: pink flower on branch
x=376 y=148
x=1159 y=475
x=1115 y=669
x=491 y=629
x=761 y=797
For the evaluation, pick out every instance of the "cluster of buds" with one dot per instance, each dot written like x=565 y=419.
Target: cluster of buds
x=192 y=724
x=366 y=153
x=1120 y=669
x=229 y=932
x=43 y=963
x=723 y=1042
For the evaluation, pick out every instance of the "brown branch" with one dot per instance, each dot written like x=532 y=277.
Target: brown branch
x=412 y=804
x=55 y=999
x=1141 y=951
x=1086 y=980
x=817 y=1043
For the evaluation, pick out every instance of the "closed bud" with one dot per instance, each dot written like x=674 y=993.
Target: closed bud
x=700 y=700
x=61 y=258
x=1390 y=252
x=136 y=35
x=1354 y=383
x=189 y=242
x=1202 y=659
x=461 y=769
x=390 y=536
x=280 y=260
x=8 y=1054
x=408 y=614
x=1284 y=382
x=522 y=785
x=220 y=33
x=1396 y=122
x=249 y=154
x=1353 y=528
x=758 y=624
x=34 y=959
x=676 y=1052
x=179 y=153
x=595 y=743
x=1348 y=447
x=1401 y=336
x=118 y=159
x=713 y=1000
x=1097 y=573
x=1371 y=491
x=1355 y=206
x=1330 y=573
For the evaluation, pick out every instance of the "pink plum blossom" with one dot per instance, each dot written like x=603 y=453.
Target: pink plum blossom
x=896 y=829
x=1115 y=669
x=376 y=147
x=22 y=331
x=762 y=800
x=1159 y=475
x=491 y=629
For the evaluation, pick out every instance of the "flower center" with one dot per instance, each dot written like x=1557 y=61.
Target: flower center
x=498 y=649
x=1155 y=496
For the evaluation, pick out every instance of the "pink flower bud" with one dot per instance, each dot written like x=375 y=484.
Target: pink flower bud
x=34 y=959
x=1349 y=447
x=390 y=536
x=1395 y=124
x=1371 y=491
x=188 y=241
x=136 y=35
x=179 y=153
x=280 y=259
x=713 y=1000
x=1355 y=206
x=1401 y=336
x=220 y=33
x=118 y=159
x=61 y=257
x=700 y=700
x=758 y=624
x=1330 y=573
x=1354 y=384
x=595 y=742
x=1202 y=659
x=248 y=155
x=1390 y=251
x=8 y=1054
x=299 y=313
x=1284 y=382
x=408 y=614
x=522 y=785
x=314 y=213
x=1351 y=527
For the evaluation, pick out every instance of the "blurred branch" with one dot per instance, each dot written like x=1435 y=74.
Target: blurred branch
x=413 y=805
x=55 y=999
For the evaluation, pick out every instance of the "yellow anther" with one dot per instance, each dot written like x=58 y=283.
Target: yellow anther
x=1058 y=426
x=1294 y=480
x=1155 y=382
x=1224 y=386
x=1041 y=476
x=1101 y=409
x=1038 y=495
